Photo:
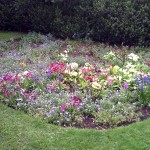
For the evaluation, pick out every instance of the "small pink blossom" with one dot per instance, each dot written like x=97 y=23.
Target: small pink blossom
x=6 y=92
x=17 y=85
x=29 y=74
x=63 y=107
x=22 y=91
x=110 y=82
x=75 y=101
x=50 y=87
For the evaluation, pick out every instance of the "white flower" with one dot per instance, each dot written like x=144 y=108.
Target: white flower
x=25 y=72
x=73 y=73
x=67 y=71
x=110 y=55
x=130 y=65
x=73 y=65
x=133 y=57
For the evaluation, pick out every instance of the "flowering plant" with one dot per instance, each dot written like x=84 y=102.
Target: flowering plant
x=65 y=92
x=143 y=89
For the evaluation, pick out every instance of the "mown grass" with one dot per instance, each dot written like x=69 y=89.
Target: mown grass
x=4 y=36
x=20 y=131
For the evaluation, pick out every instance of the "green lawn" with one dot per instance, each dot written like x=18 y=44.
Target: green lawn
x=4 y=36
x=20 y=131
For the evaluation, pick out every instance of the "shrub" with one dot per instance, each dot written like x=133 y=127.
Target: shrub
x=116 y=22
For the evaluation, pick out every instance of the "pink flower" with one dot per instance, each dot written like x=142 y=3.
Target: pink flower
x=57 y=67
x=50 y=87
x=17 y=77
x=75 y=101
x=63 y=107
x=95 y=77
x=29 y=74
x=86 y=70
x=9 y=78
x=22 y=91
x=89 y=78
x=6 y=92
x=110 y=82
x=17 y=85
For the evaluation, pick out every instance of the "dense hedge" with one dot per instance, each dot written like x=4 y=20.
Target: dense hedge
x=109 y=21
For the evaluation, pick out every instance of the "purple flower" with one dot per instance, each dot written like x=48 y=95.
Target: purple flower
x=141 y=86
x=35 y=79
x=125 y=86
x=148 y=80
x=49 y=73
x=136 y=80
x=144 y=79
x=60 y=77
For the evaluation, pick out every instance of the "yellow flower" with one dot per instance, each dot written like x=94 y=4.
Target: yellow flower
x=115 y=69
x=23 y=64
x=96 y=85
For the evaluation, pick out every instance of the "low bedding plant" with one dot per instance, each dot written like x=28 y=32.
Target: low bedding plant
x=64 y=93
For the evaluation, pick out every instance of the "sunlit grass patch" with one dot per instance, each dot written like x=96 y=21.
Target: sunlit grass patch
x=4 y=35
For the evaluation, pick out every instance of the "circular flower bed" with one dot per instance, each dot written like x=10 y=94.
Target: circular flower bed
x=68 y=94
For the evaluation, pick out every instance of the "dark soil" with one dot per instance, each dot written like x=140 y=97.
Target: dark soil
x=146 y=113
x=89 y=122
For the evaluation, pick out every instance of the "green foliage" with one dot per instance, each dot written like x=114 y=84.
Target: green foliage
x=125 y=22
x=34 y=37
x=143 y=91
x=115 y=110
x=115 y=22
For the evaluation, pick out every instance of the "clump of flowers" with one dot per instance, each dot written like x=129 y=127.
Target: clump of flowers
x=58 y=67
x=64 y=93
x=143 y=90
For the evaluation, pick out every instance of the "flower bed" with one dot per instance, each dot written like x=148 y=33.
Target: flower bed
x=66 y=93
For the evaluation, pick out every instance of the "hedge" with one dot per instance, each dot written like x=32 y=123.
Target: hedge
x=110 y=21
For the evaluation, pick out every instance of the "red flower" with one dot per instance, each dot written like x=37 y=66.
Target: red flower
x=57 y=67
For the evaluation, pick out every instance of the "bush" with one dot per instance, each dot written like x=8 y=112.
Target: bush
x=125 y=22
x=115 y=22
